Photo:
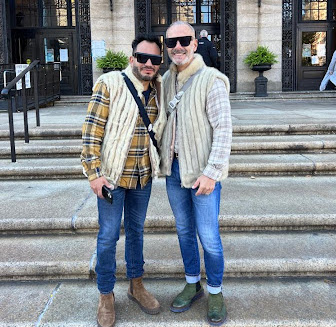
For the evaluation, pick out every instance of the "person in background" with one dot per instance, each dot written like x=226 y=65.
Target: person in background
x=207 y=50
x=330 y=74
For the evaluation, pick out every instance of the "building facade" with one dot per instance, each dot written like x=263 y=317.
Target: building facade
x=301 y=33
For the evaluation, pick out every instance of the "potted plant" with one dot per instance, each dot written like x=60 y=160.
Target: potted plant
x=112 y=61
x=261 y=60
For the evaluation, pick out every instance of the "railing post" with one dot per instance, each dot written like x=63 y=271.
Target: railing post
x=36 y=96
x=11 y=127
x=45 y=84
x=53 y=85
x=25 y=111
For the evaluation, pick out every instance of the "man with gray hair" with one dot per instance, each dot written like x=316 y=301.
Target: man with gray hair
x=195 y=151
x=207 y=50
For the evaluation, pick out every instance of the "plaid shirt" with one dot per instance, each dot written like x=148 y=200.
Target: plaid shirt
x=219 y=114
x=137 y=164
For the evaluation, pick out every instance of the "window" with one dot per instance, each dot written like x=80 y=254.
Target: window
x=26 y=13
x=209 y=11
x=314 y=48
x=314 y=9
x=165 y=12
x=45 y=13
x=159 y=12
x=184 y=11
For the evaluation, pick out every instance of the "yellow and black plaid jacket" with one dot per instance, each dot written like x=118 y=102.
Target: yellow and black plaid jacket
x=137 y=165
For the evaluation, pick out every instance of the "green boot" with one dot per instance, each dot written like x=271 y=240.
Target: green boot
x=183 y=301
x=216 y=309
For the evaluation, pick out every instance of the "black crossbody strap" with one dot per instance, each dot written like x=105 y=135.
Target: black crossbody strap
x=142 y=109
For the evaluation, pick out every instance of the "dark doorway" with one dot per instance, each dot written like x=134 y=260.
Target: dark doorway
x=60 y=47
x=55 y=31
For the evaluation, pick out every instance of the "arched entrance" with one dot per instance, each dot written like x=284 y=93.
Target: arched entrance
x=216 y=16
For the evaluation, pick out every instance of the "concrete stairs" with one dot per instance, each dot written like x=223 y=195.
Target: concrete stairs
x=256 y=150
x=277 y=222
x=278 y=234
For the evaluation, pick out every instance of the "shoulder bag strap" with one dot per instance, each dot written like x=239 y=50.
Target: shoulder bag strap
x=142 y=109
x=177 y=98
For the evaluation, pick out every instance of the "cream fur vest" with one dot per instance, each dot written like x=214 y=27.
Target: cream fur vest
x=195 y=131
x=121 y=122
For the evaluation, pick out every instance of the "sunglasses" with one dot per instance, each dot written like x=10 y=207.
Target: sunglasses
x=172 y=41
x=142 y=58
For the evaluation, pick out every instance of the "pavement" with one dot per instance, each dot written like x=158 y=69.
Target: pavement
x=244 y=113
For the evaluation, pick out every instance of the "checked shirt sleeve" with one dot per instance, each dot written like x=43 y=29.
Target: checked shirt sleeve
x=93 y=131
x=219 y=114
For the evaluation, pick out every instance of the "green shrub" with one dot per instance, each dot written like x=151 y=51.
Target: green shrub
x=115 y=60
x=260 y=56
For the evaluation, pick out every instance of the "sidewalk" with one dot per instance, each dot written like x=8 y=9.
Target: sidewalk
x=271 y=112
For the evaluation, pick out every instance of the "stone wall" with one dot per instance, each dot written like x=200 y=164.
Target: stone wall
x=115 y=27
x=258 y=26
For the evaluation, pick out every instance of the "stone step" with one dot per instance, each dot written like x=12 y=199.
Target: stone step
x=251 y=254
x=276 y=95
x=305 y=302
x=241 y=145
x=267 y=203
x=74 y=131
x=235 y=97
x=240 y=165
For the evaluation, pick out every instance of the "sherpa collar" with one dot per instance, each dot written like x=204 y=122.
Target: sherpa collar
x=196 y=64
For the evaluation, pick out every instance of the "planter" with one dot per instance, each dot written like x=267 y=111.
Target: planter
x=107 y=70
x=261 y=81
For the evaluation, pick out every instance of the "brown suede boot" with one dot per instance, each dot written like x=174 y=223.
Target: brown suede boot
x=106 y=313
x=147 y=302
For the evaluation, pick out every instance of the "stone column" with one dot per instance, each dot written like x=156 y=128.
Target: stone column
x=259 y=26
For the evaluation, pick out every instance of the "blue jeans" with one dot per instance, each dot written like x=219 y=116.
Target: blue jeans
x=197 y=215
x=134 y=202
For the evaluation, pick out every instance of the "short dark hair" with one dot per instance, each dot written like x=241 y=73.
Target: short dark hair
x=148 y=38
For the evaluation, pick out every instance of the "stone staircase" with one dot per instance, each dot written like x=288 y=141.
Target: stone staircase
x=278 y=220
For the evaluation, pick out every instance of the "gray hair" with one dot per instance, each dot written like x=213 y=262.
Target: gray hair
x=178 y=23
x=203 y=33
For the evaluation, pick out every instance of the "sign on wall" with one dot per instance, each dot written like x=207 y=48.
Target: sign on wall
x=18 y=69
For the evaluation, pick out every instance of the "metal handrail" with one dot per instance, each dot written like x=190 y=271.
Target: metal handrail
x=7 y=93
x=6 y=90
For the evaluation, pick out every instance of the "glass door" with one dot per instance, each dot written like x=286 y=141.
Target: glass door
x=58 y=48
x=312 y=57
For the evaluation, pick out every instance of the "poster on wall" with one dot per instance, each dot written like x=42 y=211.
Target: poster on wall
x=64 y=55
x=50 y=55
x=321 y=49
x=98 y=49
x=314 y=60
x=306 y=50
x=18 y=69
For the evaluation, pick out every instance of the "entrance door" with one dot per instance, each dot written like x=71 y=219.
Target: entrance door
x=312 y=57
x=60 y=47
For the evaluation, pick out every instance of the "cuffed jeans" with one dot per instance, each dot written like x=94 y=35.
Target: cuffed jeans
x=134 y=202
x=197 y=215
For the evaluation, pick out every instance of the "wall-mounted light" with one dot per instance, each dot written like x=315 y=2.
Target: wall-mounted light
x=111 y=5
x=259 y=3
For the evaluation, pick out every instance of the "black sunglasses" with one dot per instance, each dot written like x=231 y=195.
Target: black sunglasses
x=172 y=41
x=143 y=58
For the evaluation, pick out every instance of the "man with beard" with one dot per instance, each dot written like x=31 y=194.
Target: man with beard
x=119 y=153
x=195 y=151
